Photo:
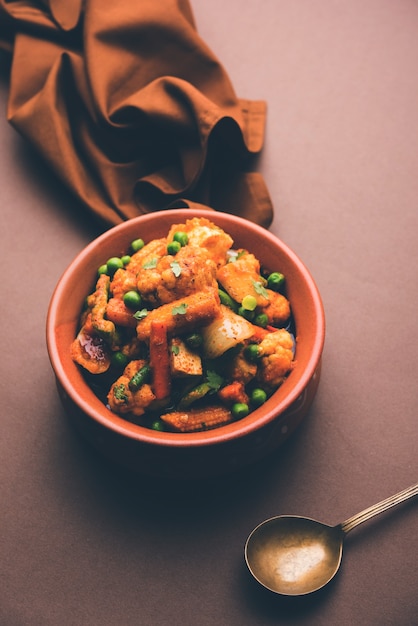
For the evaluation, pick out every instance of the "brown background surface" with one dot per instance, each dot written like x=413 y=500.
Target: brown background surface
x=83 y=544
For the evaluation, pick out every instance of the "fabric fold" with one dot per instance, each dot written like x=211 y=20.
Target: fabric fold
x=131 y=108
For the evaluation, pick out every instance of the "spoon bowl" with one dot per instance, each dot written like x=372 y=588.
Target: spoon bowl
x=294 y=556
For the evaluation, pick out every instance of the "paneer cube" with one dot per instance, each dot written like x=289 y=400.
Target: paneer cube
x=183 y=361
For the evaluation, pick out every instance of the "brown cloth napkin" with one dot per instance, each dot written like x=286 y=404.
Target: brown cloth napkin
x=130 y=108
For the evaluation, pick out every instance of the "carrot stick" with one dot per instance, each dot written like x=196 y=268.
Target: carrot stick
x=259 y=333
x=271 y=329
x=159 y=359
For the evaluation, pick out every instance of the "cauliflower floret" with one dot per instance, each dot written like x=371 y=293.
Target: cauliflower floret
x=202 y=233
x=122 y=282
x=276 y=360
x=189 y=271
x=125 y=279
x=123 y=400
x=277 y=308
x=153 y=250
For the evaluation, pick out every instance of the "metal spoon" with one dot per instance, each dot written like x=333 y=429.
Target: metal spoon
x=294 y=556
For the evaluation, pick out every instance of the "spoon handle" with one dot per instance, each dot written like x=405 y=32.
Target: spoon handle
x=380 y=507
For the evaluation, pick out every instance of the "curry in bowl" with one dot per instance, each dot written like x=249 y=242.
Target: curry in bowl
x=185 y=333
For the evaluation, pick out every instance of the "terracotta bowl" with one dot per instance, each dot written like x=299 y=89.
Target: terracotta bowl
x=192 y=455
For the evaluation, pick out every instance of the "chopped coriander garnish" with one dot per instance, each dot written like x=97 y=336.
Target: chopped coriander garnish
x=175 y=266
x=139 y=315
x=214 y=380
x=180 y=309
x=151 y=264
x=260 y=289
x=175 y=349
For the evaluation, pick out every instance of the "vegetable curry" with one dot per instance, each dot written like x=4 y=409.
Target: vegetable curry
x=186 y=333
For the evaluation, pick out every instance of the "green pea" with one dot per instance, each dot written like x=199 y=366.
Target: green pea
x=194 y=340
x=181 y=237
x=137 y=244
x=252 y=352
x=261 y=320
x=102 y=269
x=126 y=259
x=173 y=247
x=275 y=281
x=249 y=303
x=132 y=300
x=158 y=425
x=119 y=360
x=249 y=315
x=113 y=264
x=258 y=397
x=240 y=410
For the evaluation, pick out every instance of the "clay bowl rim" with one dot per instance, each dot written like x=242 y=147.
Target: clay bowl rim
x=92 y=407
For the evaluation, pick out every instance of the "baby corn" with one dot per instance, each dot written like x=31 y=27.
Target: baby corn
x=197 y=419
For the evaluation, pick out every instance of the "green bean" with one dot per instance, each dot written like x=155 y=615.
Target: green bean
x=226 y=300
x=139 y=378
